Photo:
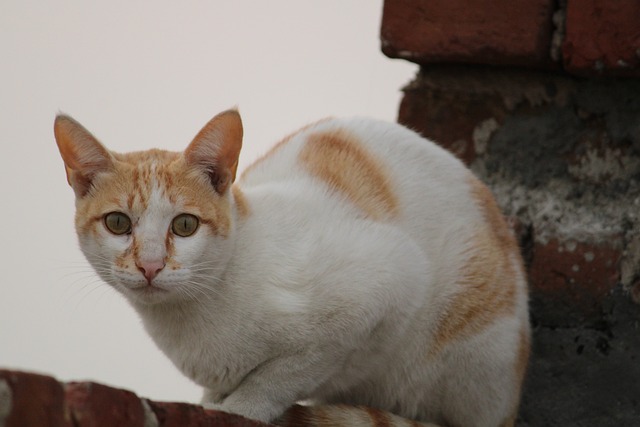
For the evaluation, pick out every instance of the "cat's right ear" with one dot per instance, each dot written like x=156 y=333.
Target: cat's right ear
x=216 y=148
x=84 y=157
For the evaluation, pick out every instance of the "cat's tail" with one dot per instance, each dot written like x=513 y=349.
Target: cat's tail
x=342 y=416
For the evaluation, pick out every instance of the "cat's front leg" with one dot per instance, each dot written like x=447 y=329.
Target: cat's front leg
x=273 y=387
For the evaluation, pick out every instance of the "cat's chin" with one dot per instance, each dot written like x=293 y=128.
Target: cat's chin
x=148 y=294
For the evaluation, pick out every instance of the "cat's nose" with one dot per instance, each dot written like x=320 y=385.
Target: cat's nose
x=150 y=269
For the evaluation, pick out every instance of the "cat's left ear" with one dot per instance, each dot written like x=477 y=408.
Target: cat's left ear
x=84 y=157
x=216 y=149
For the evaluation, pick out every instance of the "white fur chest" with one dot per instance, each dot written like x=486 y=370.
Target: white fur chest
x=209 y=349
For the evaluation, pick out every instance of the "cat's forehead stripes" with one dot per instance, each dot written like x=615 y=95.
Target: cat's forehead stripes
x=143 y=181
x=148 y=171
x=338 y=159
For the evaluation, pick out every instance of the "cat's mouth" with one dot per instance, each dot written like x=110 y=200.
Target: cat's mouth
x=146 y=291
x=167 y=286
x=149 y=289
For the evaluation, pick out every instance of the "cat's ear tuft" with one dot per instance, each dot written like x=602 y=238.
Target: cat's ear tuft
x=84 y=157
x=216 y=148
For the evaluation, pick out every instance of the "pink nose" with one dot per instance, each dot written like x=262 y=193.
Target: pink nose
x=150 y=269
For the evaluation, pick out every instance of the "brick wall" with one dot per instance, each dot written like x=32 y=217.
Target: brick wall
x=581 y=37
x=542 y=100
x=33 y=400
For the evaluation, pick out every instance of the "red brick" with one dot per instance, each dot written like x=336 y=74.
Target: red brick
x=37 y=401
x=497 y=32
x=579 y=275
x=97 y=405
x=443 y=120
x=449 y=115
x=602 y=37
x=170 y=414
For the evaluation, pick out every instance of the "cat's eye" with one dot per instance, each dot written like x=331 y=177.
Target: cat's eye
x=117 y=223
x=184 y=225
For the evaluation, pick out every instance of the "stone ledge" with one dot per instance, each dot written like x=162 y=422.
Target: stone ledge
x=34 y=400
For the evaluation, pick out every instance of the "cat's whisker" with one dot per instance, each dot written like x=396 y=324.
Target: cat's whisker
x=200 y=264
x=187 y=292
x=207 y=279
x=80 y=276
x=207 y=269
x=198 y=288
x=86 y=281
x=191 y=292
x=88 y=289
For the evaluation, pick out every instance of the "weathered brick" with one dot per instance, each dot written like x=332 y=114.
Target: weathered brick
x=35 y=401
x=497 y=32
x=635 y=292
x=170 y=414
x=460 y=107
x=97 y=405
x=447 y=117
x=575 y=277
x=602 y=37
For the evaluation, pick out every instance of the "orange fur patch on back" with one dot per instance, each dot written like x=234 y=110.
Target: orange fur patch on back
x=338 y=159
x=278 y=146
x=487 y=280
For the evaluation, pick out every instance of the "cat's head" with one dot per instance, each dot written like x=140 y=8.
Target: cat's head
x=156 y=225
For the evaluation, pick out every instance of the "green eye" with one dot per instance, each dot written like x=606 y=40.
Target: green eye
x=184 y=225
x=117 y=223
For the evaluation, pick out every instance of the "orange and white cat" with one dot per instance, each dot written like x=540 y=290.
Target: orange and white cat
x=355 y=263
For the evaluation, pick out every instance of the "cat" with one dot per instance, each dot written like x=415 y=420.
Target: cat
x=356 y=264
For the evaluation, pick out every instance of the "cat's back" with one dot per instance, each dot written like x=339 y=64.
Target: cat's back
x=383 y=172
x=372 y=169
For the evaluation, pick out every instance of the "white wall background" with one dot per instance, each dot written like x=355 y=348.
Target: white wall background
x=142 y=74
